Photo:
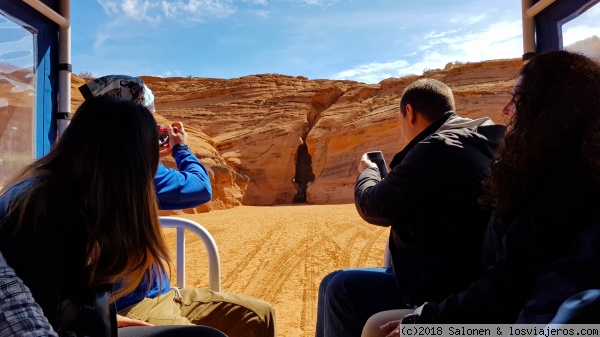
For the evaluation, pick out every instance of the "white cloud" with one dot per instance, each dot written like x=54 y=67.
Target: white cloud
x=261 y=13
x=579 y=33
x=135 y=9
x=475 y=19
x=582 y=27
x=138 y=9
x=101 y=38
x=496 y=41
x=257 y=2
x=111 y=30
x=499 y=40
x=110 y=7
x=218 y=8
x=318 y=2
x=372 y=72
x=468 y=19
x=155 y=10
x=434 y=34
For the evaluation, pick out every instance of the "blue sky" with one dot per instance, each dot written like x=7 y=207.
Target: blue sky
x=362 y=40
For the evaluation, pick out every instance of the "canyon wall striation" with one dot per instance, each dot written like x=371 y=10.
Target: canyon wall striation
x=275 y=139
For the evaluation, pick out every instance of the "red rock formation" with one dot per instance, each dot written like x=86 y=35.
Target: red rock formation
x=257 y=123
x=365 y=119
x=248 y=130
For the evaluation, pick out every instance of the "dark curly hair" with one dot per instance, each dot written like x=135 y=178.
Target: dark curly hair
x=549 y=163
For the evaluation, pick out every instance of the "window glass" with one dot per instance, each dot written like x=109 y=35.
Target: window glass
x=582 y=34
x=17 y=96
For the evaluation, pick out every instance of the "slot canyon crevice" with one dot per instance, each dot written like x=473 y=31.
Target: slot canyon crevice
x=304 y=173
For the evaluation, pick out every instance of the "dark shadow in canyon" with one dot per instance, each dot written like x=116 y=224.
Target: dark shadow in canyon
x=304 y=173
x=321 y=101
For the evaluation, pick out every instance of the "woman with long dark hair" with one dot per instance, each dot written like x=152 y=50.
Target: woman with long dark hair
x=85 y=216
x=542 y=242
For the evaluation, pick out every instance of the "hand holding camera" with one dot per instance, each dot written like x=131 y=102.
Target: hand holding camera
x=163 y=136
x=177 y=134
x=169 y=136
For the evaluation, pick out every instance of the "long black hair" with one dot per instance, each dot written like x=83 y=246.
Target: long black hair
x=104 y=164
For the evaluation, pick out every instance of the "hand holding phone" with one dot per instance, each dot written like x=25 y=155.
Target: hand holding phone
x=377 y=158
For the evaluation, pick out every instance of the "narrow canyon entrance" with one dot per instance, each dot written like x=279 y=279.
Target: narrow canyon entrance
x=321 y=101
x=304 y=173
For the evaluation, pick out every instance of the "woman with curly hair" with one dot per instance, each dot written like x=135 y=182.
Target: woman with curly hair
x=542 y=242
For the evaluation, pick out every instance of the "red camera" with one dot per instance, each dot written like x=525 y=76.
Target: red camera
x=163 y=135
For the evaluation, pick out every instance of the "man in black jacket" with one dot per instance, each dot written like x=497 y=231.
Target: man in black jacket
x=429 y=199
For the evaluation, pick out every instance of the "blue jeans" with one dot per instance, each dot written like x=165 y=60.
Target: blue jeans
x=348 y=297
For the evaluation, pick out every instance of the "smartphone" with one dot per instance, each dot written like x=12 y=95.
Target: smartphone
x=163 y=135
x=377 y=158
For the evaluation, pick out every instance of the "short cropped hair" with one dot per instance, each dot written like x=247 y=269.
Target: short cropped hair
x=431 y=98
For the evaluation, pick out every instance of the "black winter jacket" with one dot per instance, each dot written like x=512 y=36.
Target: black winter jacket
x=524 y=281
x=429 y=199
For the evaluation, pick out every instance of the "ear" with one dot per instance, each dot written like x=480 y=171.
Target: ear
x=411 y=115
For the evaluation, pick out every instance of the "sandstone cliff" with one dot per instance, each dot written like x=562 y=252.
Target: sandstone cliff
x=274 y=139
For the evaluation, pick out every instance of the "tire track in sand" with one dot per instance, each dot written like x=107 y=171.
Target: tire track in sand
x=274 y=233
x=280 y=255
x=273 y=282
x=309 y=300
x=368 y=246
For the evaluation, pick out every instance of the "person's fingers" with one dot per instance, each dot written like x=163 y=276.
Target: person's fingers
x=364 y=163
x=123 y=321
x=394 y=327
x=178 y=127
x=389 y=326
x=394 y=333
x=177 y=134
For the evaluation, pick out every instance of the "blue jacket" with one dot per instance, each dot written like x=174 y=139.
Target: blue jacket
x=186 y=188
x=147 y=288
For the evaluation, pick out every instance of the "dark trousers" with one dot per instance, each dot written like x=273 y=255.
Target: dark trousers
x=348 y=297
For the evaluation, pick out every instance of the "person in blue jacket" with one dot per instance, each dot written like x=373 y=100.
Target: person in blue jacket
x=189 y=185
x=154 y=300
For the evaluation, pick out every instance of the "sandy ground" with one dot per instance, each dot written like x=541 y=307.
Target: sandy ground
x=281 y=253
